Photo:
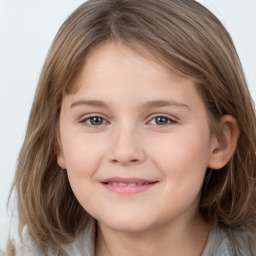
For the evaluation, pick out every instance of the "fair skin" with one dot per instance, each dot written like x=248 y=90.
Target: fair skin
x=136 y=143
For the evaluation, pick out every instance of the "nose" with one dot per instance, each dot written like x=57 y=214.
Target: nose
x=127 y=147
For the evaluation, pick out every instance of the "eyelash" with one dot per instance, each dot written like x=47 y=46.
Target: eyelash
x=90 y=118
x=170 y=121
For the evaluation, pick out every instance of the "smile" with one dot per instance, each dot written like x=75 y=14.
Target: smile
x=127 y=185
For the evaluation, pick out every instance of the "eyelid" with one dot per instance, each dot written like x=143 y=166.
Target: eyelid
x=172 y=119
x=85 y=117
x=88 y=116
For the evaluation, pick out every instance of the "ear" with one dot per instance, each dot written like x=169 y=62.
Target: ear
x=59 y=154
x=224 y=147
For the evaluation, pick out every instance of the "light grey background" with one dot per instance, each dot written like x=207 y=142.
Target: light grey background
x=27 y=28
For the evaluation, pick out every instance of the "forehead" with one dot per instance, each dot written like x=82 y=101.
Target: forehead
x=119 y=75
x=115 y=57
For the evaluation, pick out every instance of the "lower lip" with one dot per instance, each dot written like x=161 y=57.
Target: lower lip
x=128 y=190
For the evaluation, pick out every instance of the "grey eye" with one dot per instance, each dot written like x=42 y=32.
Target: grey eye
x=95 y=120
x=161 y=120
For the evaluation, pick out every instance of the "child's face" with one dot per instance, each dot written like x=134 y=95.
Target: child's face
x=149 y=130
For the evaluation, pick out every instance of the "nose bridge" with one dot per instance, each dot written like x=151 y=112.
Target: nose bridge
x=126 y=146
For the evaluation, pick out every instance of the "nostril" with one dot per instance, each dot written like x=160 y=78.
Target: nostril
x=124 y=160
x=126 y=156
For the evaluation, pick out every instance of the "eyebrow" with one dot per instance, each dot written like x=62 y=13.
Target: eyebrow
x=146 y=105
x=92 y=103
x=164 y=103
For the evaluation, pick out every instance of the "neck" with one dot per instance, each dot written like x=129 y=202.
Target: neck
x=178 y=239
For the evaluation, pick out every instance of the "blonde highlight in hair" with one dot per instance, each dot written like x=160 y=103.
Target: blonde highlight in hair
x=185 y=37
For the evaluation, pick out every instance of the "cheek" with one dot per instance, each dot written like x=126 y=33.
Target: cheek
x=183 y=155
x=82 y=155
x=82 y=161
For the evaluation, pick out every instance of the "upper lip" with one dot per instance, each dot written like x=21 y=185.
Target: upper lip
x=127 y=180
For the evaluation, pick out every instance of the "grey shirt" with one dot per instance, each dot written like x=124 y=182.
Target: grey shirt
x=218 y=244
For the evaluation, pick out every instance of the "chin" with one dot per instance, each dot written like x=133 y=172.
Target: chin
x=127 y=223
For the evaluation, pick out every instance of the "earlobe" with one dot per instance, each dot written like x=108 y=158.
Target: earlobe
x=59 y=155
x=224 y=147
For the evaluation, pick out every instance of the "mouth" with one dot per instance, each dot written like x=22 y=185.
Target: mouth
x=127 y=185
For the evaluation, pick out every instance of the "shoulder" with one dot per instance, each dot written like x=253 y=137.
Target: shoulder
x=225 y=247
x=83 y=245
x=27 y=246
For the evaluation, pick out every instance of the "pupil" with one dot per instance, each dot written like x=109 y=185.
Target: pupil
x=96 y=121
x=161 y=120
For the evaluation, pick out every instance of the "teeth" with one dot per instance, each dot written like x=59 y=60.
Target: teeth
x=121 y=184
x=132 y=185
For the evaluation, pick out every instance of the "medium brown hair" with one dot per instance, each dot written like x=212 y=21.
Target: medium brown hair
x=187 y=38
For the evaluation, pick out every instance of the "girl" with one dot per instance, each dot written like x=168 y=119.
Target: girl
x=141 y=138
